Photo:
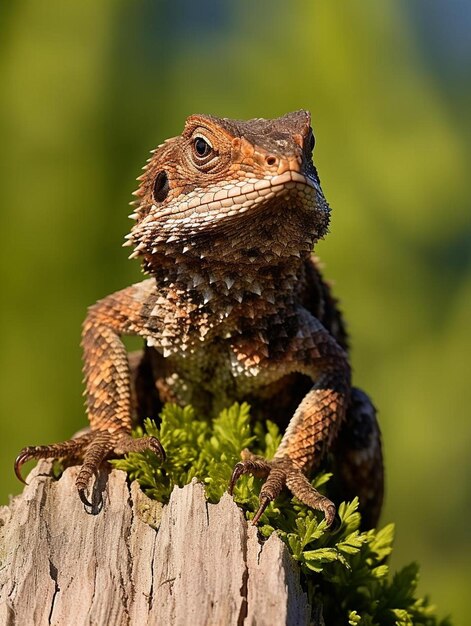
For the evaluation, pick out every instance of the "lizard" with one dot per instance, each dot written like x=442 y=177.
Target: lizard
x=234 y=308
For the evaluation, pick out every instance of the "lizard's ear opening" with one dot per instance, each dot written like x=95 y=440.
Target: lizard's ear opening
x=161 y=187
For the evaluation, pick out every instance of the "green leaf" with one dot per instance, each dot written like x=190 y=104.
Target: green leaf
x=353 y=618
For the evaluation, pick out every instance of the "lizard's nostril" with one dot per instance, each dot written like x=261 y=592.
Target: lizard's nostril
x=271 y=160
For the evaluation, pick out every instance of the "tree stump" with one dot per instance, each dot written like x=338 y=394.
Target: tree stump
x=137 y=562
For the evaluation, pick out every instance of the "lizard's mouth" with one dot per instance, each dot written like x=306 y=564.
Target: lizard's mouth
x=231 y=211
x=237 y=205
x=221 y=202
x=291 y=176
x=246 y=195
x=261 y=191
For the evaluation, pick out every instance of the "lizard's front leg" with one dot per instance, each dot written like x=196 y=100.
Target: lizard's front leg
x=315 y=423
x=108 y=388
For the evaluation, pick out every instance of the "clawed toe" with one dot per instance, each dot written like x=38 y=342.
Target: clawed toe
x=127 y=444
x=93 y=447
x=251 y=464
x=103 y=446
x=157 y=448
x=264 y=502
x=66 y=449
x=278 y=473
x=24 y=456
x=83 y=497
x=300 y=487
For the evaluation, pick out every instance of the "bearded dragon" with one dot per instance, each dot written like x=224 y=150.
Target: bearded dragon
x=234 y=308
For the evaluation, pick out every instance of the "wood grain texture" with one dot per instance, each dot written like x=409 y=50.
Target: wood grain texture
x=137 y=562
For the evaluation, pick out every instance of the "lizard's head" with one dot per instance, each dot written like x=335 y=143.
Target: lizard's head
x=231 y=191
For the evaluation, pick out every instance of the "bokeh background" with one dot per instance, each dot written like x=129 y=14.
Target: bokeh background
x=88 y=88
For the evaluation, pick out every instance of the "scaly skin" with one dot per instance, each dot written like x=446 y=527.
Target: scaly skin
x=235 y=308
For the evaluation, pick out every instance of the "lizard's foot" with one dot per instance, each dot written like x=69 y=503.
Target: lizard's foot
x=278 y=473
x=93 y=448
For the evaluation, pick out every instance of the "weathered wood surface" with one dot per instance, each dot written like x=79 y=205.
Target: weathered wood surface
x=138 y=563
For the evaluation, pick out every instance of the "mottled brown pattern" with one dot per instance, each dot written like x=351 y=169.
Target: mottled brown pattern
x=227 y=214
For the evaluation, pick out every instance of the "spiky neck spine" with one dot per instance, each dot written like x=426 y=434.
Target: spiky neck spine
x=227 y=290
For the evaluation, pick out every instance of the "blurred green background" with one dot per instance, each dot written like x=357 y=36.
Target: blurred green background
x=87 y=89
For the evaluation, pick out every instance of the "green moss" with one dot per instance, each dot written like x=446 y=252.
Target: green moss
x=344 y=570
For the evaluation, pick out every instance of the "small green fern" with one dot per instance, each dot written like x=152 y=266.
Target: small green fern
x=344 y=570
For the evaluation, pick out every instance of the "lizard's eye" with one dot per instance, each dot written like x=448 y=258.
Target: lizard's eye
x=202 y=150
x=202 y=147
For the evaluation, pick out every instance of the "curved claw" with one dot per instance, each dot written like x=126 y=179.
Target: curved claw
x=278 y=473
x=264 y=502
x=158 y=448
x=329 y=513
x=24 y=455
x=83 y=497
x=237 y=472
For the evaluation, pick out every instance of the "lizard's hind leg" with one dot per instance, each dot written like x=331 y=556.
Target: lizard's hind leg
x=358 y=466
